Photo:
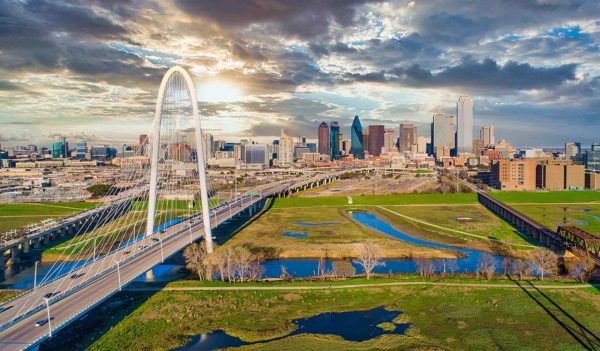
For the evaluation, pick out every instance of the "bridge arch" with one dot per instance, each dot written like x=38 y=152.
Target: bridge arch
x=176 y=98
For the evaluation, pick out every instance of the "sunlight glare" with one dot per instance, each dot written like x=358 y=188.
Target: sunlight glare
x=218 y=91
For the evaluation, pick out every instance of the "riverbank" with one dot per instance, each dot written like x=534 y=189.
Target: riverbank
x=321 y=232
x=323 y=227
x=489 y=316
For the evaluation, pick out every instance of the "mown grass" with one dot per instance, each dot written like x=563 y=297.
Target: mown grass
x=585 y=216
x=17 y=216
x=8 y=294
x=547 y=197
x=265 y=236
x=476 y=220
x=405 y=199
x=461 y=318
x=377 y=279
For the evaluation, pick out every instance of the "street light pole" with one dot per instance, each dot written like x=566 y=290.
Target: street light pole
x=162 y=255
x=119 y=275
x=35 y=275
x=49 y=321
x=94 y=249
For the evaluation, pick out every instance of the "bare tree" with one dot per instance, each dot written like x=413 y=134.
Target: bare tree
x=581 y=265
x=487 y=265
x=452 y=266
x=219 y=260
x=284 y=274
x=521 y=268
x=543 y=261
x=507 y=264
x=425 y=268
x=343 y=269
x=242 y=259
x=369 y=257
x=196 y=259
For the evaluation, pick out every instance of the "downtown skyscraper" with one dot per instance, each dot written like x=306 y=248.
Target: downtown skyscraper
x=376 y=139
x=334 y=140
x=323 y=139
x=464 y=123
x=356 y=139
x=407 y=137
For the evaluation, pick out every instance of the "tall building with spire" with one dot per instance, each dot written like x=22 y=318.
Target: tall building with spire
x=464 y=130
x=356 y=139
x=323 y=139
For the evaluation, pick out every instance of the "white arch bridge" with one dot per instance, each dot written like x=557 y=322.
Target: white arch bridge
x=149 y=214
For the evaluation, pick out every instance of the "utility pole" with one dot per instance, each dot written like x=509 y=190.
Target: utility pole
x=49 y=320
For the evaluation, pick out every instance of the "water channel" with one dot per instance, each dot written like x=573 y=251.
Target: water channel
x=21 y=276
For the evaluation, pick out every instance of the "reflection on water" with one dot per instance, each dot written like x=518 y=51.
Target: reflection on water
x=308 y=267
x=353 y=326
x=21 y=277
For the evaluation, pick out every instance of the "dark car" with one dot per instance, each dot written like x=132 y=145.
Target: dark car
x=127 y=252
x=41 y=322
x=50 y=294
x=155 y=239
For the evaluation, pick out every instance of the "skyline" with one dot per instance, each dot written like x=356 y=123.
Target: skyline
x=89 y=69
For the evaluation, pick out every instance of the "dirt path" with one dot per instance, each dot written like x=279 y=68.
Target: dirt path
x=355 y=286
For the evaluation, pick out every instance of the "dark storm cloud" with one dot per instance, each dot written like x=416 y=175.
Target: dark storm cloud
x=450 y=24
x=48 y=36
x=469 y=73
x=73 y=18
x=304 y=19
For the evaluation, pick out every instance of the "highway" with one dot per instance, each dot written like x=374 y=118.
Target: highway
x=89 y=285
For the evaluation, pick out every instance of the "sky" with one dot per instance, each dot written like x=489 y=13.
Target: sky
x=90 y=69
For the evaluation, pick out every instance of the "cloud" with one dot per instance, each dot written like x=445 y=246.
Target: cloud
x=487 y=74
x=303 y=19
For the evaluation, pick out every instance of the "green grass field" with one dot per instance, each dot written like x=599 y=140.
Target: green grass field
x=430 y=216
x=584 y=216
x=16 y=216
x=337 y=240
x=547 y=197
x=476 y=220
x=442 y=317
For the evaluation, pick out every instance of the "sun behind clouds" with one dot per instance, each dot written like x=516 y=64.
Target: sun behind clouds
x=218 y=91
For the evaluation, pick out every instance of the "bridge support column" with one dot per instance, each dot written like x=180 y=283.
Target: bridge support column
x=2 y=262
x=37 y=243
x=15 y=255
x=26 y=246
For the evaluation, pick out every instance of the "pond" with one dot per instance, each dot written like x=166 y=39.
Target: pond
x=295 y=235
x=352 y=326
